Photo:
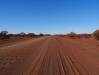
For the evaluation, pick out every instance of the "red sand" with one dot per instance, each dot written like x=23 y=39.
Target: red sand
x=51 y=56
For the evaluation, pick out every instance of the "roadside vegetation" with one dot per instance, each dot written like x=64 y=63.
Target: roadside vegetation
x=96 y=34
x=7 y=38
x=4 y=35
x=73 y=35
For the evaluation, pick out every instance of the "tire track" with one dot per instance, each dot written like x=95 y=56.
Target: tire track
x=72 y=68
x=38 y=61
x=25 y=57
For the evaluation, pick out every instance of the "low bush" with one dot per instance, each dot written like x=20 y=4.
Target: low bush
x=96 y=34
x=72 y=35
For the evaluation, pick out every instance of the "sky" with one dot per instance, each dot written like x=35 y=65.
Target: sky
x=49 y=16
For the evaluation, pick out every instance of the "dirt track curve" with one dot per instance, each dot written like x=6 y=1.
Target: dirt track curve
x=50 y=56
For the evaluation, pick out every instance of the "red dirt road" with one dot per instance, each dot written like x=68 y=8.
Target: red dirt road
x=51 y=56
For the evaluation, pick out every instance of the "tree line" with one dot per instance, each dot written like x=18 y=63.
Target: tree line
x=6 y=35
x=73 y=35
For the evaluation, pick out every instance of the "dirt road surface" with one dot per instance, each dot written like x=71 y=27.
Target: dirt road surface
x=50 y=56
